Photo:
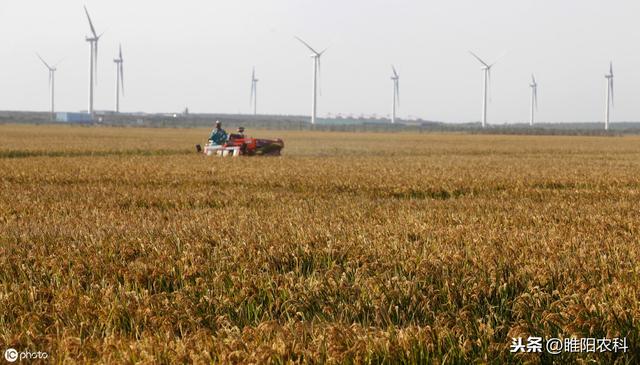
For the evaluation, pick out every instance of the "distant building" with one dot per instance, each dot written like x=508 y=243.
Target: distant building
x=73 y=117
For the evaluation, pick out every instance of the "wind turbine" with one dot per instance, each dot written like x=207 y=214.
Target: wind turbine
x=52 y=80
x=93 y=63
x=609 y=105
x=486 y=69
x=316 y=71
x=534 y=99
x=253 y=100
x=396 y=94
x=119 y=78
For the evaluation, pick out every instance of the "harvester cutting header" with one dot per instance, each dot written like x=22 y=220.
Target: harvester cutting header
x=237 y=144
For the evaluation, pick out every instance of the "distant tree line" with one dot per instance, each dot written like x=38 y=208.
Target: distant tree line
x=284 y=122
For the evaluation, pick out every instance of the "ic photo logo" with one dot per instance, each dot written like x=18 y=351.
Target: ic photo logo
x=12 y=355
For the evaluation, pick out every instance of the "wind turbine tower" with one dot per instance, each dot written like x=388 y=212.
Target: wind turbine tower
x=93 y=61
x=396 y=94
x=253 y=100
x=119 y=78
x=609 y=101
x=486 y=69
x=52 y=83
x=316 y=72
x=534 y=99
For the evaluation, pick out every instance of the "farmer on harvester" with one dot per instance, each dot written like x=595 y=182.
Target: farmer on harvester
x=238 y=135
x=218 y=135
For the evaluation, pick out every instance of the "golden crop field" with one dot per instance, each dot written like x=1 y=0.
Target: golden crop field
x=122 y=245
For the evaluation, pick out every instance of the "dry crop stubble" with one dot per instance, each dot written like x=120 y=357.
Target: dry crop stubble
x=121 y=245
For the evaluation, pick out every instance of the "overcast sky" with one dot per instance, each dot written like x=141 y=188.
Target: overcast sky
x=199 y=53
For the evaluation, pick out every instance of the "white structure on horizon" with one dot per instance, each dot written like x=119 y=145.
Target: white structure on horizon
x=396 y=94
x=93 y=61
x=486 y=69
x=609 y=101
x=534 y=99
x=253 y=100
x=316 y=71
x=119 y=78
x=52 y=85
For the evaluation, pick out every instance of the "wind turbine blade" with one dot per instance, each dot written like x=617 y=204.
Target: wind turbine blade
x=535 y=96
x=479 y=59
x=122 y=78
x=93 y=30
x=43 y=61
x=121 y=68
x=307 y=45
x=395 y=73
x=533 y=78
x=50 y=77
x=253 y=84
x=611 y=87
x=611 y=69
x=398 y=92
